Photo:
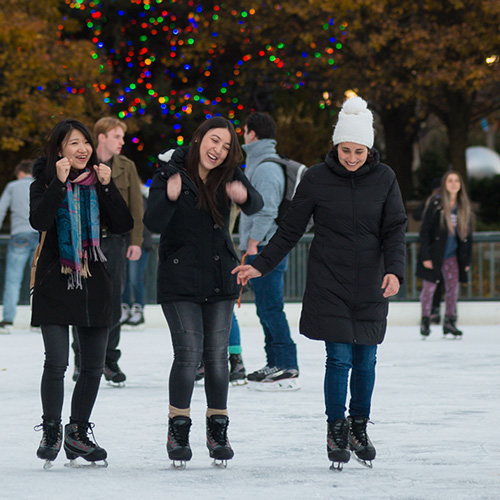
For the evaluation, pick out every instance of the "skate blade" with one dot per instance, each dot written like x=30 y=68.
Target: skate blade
x=48 y=464
x=219 y=464
x=74 y=464
x=286 y=385
x=116 y=385
x=364 y=463
x=178 y=464
x=338 y=466
x=235 y=383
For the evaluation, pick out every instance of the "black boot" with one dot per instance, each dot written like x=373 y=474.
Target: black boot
x=359 y=442
x=51 y=439
x=449 y=326
x=237 y=372
x=425 y=326
x=435 y=315
x=178 y=448
x=337 y=445
x=217 y=441
x=77 y=443
x=200 y=372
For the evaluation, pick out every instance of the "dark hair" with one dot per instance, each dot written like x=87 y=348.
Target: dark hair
x=218 y=176
x=24 y=166
x=262 y=124
x=55 y=142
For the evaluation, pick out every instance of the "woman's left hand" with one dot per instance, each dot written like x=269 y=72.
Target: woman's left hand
x=390 y=285
x=103 y=173
x=237 y=192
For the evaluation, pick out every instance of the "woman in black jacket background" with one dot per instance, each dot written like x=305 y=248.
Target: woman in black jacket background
x=69 y=199
x=356 y=261
x=445 y=250
x=189 y=204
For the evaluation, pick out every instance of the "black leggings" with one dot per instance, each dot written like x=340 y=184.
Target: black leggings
x=93 y=342
x=199 y=331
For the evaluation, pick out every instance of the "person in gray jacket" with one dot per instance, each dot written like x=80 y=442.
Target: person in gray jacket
x=23 y=239
x=281 y=371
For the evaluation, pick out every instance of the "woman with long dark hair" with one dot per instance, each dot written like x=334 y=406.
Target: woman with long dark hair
x=71 y=196
x=189 y=204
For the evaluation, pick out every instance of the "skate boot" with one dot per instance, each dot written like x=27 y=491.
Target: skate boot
x=217 y=442
x=425 y=326
x=260 y=375
x=76 y=373
x=77 y=444
x=136 y=317
x=200 y=372
x=125 y=315
x=435 y=315
x=237 y=372
x=51 y=441
x=113 y=374
x=449 y=326
x=178 y=448
x=337 y=444
x=359 y=442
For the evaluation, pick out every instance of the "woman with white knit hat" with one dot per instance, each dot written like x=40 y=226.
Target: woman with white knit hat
x=356 y=262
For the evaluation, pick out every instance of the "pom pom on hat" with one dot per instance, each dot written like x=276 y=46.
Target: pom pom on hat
x=355 y=123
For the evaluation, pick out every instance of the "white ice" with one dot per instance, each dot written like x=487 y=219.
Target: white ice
x=436 y=410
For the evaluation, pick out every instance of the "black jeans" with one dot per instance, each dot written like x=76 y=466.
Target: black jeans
x=92 y=353
x=199 y=331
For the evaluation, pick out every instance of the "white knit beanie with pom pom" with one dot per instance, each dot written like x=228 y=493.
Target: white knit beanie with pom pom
x=355 y=123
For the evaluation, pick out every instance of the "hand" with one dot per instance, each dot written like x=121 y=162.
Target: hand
x=467 y=268
x=428 y=264
x=237 y=192
x=252 y=247
x=174 y=186
x=134 y=252
x=63 y=167
x=103 y=173
x=245 y=273
x=390 y=285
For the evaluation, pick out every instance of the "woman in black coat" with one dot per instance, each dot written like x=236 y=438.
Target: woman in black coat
x=356 y=261
x=189 y=204
x=70 y=197
x=445 y=250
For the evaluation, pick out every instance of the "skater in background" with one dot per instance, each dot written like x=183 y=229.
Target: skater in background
x=189 y=205
x=356 y=262
x=71 y=197
x=445 y=250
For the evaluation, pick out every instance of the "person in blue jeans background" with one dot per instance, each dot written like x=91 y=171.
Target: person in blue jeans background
x=267 y=177
x=23 y=239
x=356 y=262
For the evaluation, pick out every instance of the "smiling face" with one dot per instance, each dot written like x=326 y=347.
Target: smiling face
x=453 y=184
x=351 y=155
x=77 y=149
x=214 y=148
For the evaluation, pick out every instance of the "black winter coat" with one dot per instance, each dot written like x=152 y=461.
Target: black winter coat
x=196 y=255
x=433 y=237
x=359 y=236
x=53 y=303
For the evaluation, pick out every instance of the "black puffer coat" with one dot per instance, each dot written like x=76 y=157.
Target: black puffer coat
x=196 y=255
x=53 y=303
x=433 y=237
x=359 y=236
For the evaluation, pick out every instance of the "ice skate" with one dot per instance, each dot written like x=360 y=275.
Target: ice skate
x=178 y=448
x=279 y=380
x=425 y=328
x=337 y=443
x=135 y=320
x=77 y=444
x=435 y=315
x=200 y=374
x=217 y=441
x=359 y=442
x=449 y=326
x=51 y=441
x=113 y=374
x=237 y=372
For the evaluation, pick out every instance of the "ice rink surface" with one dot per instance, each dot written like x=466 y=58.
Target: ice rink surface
x=436 y=410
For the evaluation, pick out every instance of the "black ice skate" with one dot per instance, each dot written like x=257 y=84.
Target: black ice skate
x=359 y=442
x=435 y=315
x=337 y=443
x=200 y=372
x=51 y=441
x=449 y=326
x=425 y=326
x=217 y=442
x=237 y=372
x=77 y=444
x=178 y=448
x=113 y=374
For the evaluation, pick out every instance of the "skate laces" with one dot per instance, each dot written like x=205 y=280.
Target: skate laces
x=218 y=430
x=83 y=431
x=338 y=433
x=180 y=432
x=51 y=433
x=358 y=429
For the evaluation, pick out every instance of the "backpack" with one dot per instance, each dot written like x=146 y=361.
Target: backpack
x=294 y=171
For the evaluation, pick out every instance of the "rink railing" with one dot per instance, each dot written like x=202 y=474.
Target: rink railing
x=484 y=282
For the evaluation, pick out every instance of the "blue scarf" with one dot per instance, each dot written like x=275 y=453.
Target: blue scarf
x=78 y=231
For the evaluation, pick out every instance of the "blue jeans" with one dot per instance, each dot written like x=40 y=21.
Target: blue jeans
x=234 y=337
x=280 y=349
x=199 y=331
x=135 y=290
x=19 y=252
x=340 y=359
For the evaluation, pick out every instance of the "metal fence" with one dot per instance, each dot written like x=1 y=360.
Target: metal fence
x=484 y=276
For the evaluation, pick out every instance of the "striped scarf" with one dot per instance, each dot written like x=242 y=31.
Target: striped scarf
x=78 y=231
